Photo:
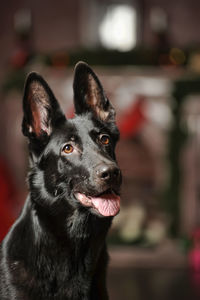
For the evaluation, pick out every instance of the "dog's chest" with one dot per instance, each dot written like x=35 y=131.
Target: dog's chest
x=60 y=278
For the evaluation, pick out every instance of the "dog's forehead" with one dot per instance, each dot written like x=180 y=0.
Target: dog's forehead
x=78 y=128
x=83 y=124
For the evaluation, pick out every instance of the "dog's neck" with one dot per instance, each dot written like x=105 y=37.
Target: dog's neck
x=53 y=253
x=69 y=230
x=69 y=223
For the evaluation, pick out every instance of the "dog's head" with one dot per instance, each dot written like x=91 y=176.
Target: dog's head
x=72 y=161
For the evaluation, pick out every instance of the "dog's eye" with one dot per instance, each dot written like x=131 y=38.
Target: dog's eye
x=104 y=139
x=68 y=149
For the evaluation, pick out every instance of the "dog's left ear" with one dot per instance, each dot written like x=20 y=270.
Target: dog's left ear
x=89 y=95
x=41 y=110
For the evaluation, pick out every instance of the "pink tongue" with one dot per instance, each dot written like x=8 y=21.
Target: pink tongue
x=107 y=205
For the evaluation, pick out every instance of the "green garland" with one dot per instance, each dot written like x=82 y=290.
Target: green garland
x=177 y=138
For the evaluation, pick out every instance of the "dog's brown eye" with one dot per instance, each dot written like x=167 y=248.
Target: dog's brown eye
x=105 y=139
x=68 y=149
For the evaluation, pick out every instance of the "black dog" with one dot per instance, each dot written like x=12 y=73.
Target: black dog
x=56 y=249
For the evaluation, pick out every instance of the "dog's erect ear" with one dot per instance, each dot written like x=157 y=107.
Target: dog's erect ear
x=89 y=95
x=41 y=109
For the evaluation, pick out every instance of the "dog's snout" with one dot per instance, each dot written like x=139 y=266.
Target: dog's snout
x=107 y=172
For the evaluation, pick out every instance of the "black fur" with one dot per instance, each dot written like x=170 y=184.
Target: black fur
x=56 y=249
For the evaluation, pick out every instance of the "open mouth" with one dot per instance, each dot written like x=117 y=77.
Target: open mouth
x=107 y=203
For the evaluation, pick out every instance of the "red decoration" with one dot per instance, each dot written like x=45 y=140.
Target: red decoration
x=7 y=193
x=133 y=119
x=194 y=254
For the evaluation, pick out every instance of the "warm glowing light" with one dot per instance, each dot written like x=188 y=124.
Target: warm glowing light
x=118 y=28
x=177 y=56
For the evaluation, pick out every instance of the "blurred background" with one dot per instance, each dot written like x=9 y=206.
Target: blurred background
x=147 y=55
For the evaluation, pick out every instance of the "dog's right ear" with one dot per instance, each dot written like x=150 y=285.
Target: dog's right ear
x=89 y=95
x=41 y=110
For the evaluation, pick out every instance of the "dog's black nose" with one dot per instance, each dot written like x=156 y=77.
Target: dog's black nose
x=108 y=172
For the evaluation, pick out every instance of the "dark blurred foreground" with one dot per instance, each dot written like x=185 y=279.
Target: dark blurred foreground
x=159 y=275
x=153 y=284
